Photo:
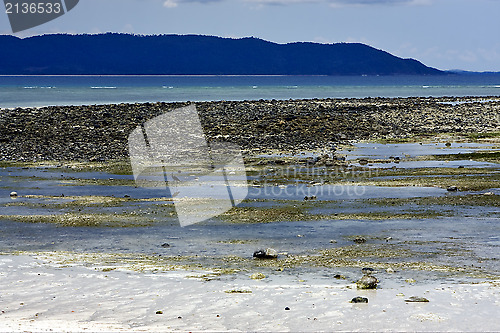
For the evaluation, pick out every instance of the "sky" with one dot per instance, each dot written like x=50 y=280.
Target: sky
x=445 y=34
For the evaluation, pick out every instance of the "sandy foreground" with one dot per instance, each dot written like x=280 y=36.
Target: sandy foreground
x=38 y=295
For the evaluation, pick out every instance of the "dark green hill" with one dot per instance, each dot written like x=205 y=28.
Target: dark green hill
x=193 y=54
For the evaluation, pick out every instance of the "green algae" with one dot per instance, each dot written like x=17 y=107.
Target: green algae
x=463 y=182
x=400 y=256
x=472 y=200
x=61 y=202
x=85 y=220
x=238 y=241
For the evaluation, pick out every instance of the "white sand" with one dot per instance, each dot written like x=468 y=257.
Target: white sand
x=38 y=295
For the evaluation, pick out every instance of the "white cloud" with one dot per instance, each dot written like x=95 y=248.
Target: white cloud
x=175 y=3
x=170 y=4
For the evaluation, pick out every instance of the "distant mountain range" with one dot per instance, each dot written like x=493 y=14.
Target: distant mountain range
x=113 y=53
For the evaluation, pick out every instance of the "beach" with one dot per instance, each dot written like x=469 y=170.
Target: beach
x=40 y=295
x=402 y=189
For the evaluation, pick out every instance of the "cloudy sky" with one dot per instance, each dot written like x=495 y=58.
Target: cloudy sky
x=446 y=34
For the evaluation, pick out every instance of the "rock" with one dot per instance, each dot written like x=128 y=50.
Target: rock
x=417 y=299
x=266 y=254
x=410 y=280
x=339 y=277
x=159 y=312
x=390 y=270
x=359 y=240
x=257 y=276
x=368 y=270
x=363 y=161
x=165 y=245
x=359 y=299
x=13 y=194
x=287 y=308
x=333 y=241
x=387 y=239
x=447 y=144
x=367 y=282
x=452 y=189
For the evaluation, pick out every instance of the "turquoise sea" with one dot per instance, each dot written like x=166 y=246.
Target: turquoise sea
x=29 y=91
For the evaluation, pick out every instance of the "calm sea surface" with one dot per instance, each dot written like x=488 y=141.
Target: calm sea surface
x=29 y=91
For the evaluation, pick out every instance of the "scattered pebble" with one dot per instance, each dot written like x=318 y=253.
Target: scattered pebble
x=359 y=240
x=257 y=276
x=359 y=299
x=266 y=254
x=367 y=282
x=417 y=299
x=368 y=270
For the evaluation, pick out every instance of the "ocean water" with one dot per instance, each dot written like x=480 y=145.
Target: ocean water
x=33 y=91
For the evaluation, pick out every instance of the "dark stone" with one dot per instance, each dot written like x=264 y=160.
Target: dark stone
x=367 y=282
x=367 y=270
x=359 y=299
x=359 y=240
x=452 y=189
x=165 y=245
x=266 y=254
x=287 y=308
x=417 y=299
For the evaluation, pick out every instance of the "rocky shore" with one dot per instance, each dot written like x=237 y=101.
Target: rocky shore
x=100 y=132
